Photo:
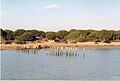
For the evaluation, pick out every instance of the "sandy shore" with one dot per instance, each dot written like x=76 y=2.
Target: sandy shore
x=55 y=45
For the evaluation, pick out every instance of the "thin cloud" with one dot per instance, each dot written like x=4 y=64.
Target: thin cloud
x=51 y=6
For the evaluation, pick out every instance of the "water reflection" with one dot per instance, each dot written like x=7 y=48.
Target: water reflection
x=29 y=51
x=68 y=53
x=60 y=64
x=63 y=53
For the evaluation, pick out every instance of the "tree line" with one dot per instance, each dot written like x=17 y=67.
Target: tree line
x=21 y=36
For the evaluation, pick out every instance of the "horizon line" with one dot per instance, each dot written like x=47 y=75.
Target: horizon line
x=62 y=29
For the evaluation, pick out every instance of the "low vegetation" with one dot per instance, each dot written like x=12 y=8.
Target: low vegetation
x=22 y=36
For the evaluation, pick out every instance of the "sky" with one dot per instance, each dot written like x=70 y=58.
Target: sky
x=55 y=15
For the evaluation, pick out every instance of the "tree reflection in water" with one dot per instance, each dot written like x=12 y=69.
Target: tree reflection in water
x=29 y=51
x=68 y=53
x=72 y=53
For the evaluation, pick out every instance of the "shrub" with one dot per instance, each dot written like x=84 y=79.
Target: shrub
x=18 y=40
x=28 y=36
x=73 y=35
x=35 y=32
x=103 y=34
x=50 y=35
x=9 y=34
x=41 y=33
x=18 y=32
x=62 y=33
x=81 y=39
x=3 y=34
x=2 y=40
x=92 y=36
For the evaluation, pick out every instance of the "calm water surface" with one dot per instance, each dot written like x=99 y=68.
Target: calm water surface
x=91 y=64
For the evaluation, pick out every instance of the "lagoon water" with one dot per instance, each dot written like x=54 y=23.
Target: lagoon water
x=89 y=64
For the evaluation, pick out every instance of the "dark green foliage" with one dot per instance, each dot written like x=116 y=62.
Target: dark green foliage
x=81 y=39
x=41 y=33
x=62 y=33
x=73 y=30
x=35 y=32
x=9 y=34
x=50 y=35
x=21 y=35
x=92 y=36
x=28 y=36
x=3 y=34
x=18 y=32
x=83 y=33
x=18 y=40
x=103 y=34
x=73 y=35
x=117 y=35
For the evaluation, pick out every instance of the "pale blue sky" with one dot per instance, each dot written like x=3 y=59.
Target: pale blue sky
x=60 y=14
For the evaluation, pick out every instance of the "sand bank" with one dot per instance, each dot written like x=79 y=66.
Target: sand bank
x=55 y=45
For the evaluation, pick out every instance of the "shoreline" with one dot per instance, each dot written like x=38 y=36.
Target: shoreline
x=88 y=45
